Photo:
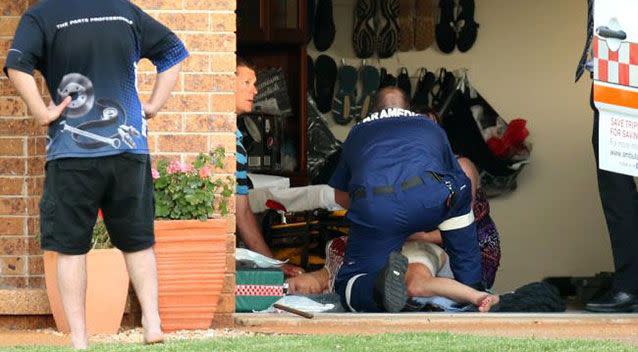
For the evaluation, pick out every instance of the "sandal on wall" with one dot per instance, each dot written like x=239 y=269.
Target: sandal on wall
x=387 y=79
x=403 y=82
x=364 y=36
x=324 y=25
x=370 y=79
x=445 y=30
x=406 y=25
x=424 y=24
x=343 y=104
x=325 y=77
x=421 y=99
x=389 y=33
x=467 y=27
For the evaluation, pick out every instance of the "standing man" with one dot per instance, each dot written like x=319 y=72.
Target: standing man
x=619 y=199
x=97 y=152
x=245 y=91
x=402 y=177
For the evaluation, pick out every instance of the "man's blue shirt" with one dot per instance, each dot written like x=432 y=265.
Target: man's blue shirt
x=89 y=50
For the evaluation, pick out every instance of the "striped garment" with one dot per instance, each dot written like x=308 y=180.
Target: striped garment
x=242 y=167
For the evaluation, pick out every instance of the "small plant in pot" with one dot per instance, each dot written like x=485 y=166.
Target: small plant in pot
x=191 y=236
x=187 y=191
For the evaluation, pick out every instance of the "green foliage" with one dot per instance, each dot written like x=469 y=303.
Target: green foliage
x=187 y=191
x=100 y=239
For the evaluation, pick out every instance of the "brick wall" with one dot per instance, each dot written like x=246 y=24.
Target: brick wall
x=199 y=116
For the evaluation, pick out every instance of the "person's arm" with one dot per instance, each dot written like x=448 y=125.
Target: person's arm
x=252 y=236
x=432 y=237
x=164 y=84
x=471 y=172
x=342 y=198
x=28 y=89
x=248 y=229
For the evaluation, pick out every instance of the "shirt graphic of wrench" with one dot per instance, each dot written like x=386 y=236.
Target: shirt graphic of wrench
x=113 y=142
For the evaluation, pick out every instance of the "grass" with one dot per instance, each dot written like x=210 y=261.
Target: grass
x=386 y=342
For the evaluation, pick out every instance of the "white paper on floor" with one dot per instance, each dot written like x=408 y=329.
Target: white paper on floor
x=301 y=303
x=260 y=261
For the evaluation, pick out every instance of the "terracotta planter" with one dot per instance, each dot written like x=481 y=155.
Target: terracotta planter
x=191 y=263
x=107 y=289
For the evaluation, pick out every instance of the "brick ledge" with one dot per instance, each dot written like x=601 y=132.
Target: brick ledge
x=24 y=302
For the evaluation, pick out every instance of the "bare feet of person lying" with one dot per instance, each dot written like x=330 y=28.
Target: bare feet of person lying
x=291 y=270
x=486 y=302
x=314 y=282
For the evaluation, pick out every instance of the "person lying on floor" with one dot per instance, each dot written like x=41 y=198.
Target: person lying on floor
x=322 y=280
x=402 y=177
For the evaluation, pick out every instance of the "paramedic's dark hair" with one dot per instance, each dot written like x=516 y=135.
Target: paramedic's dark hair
x=241 y=62
x=391 y=97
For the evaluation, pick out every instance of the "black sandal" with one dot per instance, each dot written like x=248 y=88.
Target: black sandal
x=389 y=34
x=403 y=82
x=364 y=36
x=467 y=27
x=445 y=31
x=325 y=30
x=421 y=100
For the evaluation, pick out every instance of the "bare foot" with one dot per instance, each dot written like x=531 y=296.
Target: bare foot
x=151 y=339
x=152 y=333
x=486 y=302
x=79 y=342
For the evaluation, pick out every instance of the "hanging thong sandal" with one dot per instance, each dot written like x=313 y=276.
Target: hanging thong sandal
x=421 y=100
x=364 y=37
x=445 y=33
x=424 y=25
x=406 y=25
x=325 y=77
x=436 y=93
x=389 y=34
x=387 y=79
x=370 y=79
x=467 y=27
x=403 y=82
x=343 y=104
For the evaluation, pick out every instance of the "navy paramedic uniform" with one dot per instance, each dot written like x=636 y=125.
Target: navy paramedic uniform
x=402 y=177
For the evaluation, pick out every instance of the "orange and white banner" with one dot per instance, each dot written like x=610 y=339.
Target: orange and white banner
x=616 y=84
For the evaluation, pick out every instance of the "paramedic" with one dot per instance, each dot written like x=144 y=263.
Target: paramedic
x=402 y=178
x=619 y=199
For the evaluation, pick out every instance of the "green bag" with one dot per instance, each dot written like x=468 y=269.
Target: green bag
x=257 y=289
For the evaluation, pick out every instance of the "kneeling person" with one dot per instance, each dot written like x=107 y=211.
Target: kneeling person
x=402 y=178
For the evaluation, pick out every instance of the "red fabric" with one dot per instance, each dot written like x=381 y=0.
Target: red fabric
x=271 y=204
x=99 y=214
x=512 y=139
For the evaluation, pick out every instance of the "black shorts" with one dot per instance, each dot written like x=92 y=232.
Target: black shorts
x=75 y=188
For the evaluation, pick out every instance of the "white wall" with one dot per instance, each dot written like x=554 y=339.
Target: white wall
x=523 y=63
